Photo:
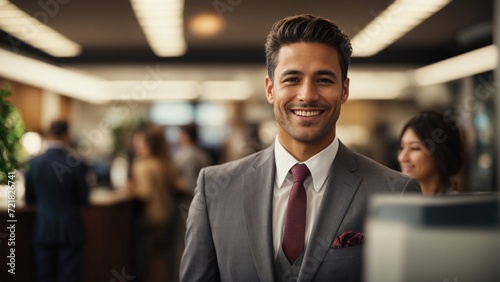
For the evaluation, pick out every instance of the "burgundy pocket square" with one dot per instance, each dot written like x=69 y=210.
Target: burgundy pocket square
x=348 y=239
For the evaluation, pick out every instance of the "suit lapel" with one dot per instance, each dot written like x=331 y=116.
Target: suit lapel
x=257 y=205
x=340 y=190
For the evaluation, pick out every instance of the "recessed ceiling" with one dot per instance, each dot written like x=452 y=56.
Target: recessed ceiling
x=109 y=32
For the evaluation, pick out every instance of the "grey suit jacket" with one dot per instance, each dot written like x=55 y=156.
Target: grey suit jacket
x=229 y=227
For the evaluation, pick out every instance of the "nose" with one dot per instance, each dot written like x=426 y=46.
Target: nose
x=403 y=155
x=308 y=91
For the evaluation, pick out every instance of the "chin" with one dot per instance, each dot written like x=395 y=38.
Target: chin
x=307 y=138
x=408 y=173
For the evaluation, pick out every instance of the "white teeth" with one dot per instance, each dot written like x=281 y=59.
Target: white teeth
x=307 y=113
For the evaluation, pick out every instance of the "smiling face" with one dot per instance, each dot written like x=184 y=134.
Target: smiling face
x=139 y=145
x=416 y=161
x=307 y=93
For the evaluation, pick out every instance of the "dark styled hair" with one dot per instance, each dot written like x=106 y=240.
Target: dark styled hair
x=191 y=130
x=309 y=29
x=442 y=138
x=154 y=137
x=58 y=128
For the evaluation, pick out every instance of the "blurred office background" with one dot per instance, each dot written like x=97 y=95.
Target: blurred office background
x=98 y=64
x=101 y=65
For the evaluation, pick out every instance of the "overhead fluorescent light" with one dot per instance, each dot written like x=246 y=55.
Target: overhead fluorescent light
x=179 y=90
x=468 y=64
x=226 y=90
x=35 y=33
x=375 y=84
x=163 y=25
x=394 y=22
x=53 y=78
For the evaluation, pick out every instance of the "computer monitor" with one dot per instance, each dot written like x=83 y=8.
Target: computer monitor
x=452 y=238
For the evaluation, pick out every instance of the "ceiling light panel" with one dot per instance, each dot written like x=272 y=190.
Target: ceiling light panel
x=468 y=64
x=377 y=84
x=163 y=25
x=49 y=77
x=35 y=33
x=226 y=90
x=178 y=90
x=394 y=22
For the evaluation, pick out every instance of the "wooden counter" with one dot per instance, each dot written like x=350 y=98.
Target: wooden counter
x=107 y=241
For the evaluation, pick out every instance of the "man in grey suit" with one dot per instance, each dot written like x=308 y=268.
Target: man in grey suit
x=241 y=211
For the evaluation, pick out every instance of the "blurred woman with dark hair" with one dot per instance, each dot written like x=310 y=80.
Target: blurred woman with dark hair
x=431 y=151
x=153 y=181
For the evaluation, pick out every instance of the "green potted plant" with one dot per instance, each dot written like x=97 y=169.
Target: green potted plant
x=12 y=154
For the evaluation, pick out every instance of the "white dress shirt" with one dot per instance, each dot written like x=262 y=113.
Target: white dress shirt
x=319 y=165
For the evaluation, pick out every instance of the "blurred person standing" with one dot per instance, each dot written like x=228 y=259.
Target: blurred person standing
x=431 y=150
x=153 y=181
x=56 y=186
x=189 y=160
x=191 y=157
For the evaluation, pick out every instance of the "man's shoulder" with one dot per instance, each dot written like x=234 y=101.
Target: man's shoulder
x=379 y=173
x=367 y=162
x=41 y=157
x=41 y=161
x=236 y=166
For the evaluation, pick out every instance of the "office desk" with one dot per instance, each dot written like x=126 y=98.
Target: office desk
x=106 y=250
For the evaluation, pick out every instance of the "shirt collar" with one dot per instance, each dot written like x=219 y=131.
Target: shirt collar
x=55 y=144
x=316 y=164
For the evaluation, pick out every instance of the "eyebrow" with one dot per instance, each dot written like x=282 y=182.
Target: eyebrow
x=326 y=72
x=316 y=73
x=291 y=72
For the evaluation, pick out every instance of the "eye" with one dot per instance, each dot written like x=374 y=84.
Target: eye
x=291 y=80
x=402 y=148
x=415 y=148
x=325 y=80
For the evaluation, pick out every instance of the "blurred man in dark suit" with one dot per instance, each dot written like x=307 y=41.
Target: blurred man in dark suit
x=55 y=184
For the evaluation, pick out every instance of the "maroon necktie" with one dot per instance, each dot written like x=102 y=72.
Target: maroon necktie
x=295 y=222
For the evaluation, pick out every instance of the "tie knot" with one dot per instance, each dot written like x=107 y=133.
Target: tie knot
x=300 y=172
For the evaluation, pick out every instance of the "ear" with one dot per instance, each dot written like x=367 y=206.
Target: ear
x=269 y=90
x=345 y=91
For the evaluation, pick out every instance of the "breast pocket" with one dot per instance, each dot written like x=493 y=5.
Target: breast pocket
x=345 y=264
x=355 y=252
